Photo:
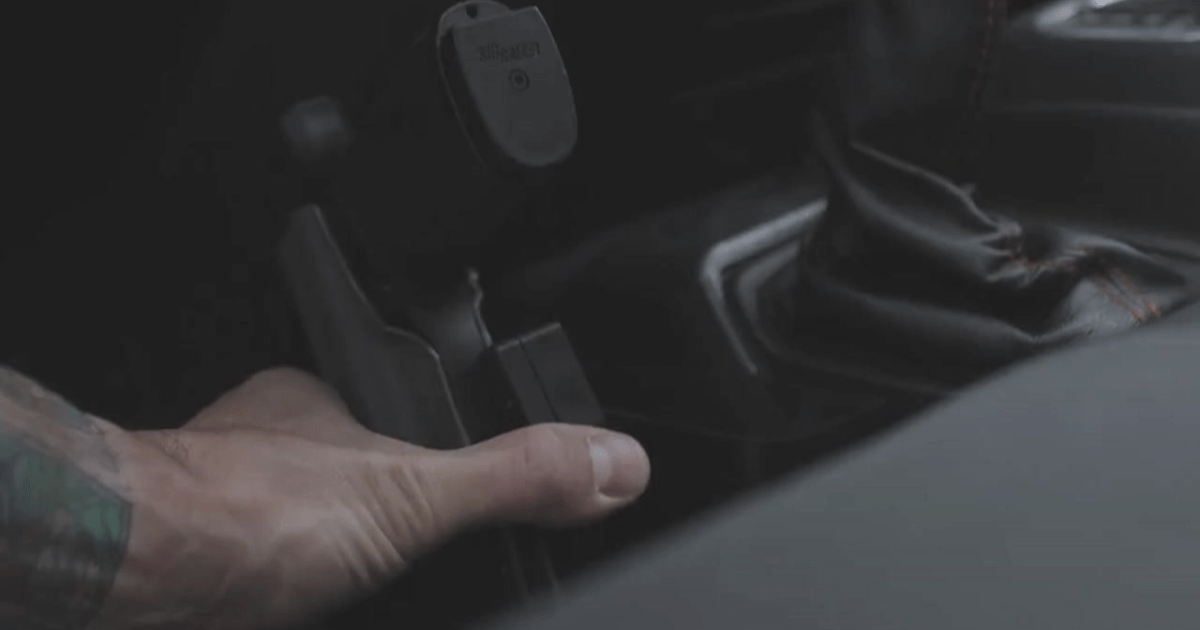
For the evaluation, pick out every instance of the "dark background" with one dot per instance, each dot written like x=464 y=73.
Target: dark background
x=121 y=284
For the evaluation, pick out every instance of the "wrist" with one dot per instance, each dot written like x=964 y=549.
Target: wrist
x=189 y=548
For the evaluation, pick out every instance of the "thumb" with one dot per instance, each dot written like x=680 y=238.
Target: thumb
x=546 y=474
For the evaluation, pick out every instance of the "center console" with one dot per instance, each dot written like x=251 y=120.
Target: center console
x=431 y=204
x=474 y=253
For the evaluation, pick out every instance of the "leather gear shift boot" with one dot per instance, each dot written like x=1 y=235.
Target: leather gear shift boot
x=904 y=261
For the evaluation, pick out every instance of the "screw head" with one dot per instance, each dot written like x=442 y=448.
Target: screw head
x=519 y=80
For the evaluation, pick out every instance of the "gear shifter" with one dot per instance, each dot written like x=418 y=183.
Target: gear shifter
x=910 y=262
x=904 y=260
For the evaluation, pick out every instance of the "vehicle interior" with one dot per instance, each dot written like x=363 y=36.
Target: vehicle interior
x=899 y=295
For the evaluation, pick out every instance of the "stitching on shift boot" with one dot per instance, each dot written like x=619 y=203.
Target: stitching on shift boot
x=1104 y=281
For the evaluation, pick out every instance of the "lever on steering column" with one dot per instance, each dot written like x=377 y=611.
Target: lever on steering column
x=480 y=110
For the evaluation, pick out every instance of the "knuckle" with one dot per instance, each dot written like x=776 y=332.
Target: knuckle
x=296 y=385
x=282 y=377
x=544 y=457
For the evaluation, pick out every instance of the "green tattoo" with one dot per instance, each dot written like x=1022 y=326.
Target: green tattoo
x=63 y=534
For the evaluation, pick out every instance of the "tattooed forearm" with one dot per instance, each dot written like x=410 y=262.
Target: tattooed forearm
x=63 y=531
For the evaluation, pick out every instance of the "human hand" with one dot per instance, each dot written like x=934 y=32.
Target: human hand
x=290 y=507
